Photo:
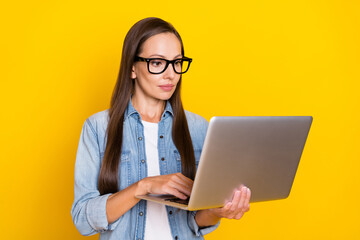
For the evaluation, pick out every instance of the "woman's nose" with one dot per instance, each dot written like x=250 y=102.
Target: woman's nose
x=169 y=72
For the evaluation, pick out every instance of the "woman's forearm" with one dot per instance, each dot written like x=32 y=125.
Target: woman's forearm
x=206 y=218
x=121 y=202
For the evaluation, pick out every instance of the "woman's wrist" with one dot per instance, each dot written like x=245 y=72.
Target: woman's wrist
x=142 y=187
x=206 y=218
x=212 y=214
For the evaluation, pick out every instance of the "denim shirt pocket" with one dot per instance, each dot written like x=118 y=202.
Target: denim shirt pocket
x=124 y=170
x=177 y=156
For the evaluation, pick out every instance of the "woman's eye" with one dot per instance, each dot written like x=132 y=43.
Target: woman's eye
x=156 y=63
x=178 y=62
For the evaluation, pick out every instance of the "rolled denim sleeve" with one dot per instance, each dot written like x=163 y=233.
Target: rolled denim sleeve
x=196 y=229
x=89 y=207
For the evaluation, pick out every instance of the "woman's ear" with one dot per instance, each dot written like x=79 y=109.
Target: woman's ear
x=133 y=74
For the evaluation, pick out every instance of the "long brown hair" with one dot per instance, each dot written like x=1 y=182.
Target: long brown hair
x=137 y=35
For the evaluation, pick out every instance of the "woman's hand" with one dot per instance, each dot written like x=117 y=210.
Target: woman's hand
x=175 y=184
x=233 y=209
x=119 y=203
x=237 y=207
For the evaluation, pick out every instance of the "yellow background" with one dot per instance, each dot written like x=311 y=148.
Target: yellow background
x=59 y=64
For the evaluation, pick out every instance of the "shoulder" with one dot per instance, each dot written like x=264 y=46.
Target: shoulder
x=197 y=128
x=98 y=122
x=195 y=120
x=99 y=116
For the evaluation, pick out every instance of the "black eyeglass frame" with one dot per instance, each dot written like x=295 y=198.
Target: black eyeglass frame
x=147 y=60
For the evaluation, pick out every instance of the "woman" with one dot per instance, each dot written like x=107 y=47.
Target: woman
x=145 y=143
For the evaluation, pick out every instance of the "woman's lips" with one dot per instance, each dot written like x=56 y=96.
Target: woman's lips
x=166 y=87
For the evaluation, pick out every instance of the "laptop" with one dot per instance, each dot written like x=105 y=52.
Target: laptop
x=262 y=153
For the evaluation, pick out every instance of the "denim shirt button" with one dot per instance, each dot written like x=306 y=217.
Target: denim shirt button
x=140 y=138
x=161 y=136
x=170 y=212
x=143 y=161
x=176 y=237
x=162 y=159
x=141 y=213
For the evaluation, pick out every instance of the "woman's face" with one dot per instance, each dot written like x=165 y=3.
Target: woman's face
x=157 y=86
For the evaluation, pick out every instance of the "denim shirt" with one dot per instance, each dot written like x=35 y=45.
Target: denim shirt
x=89 y=207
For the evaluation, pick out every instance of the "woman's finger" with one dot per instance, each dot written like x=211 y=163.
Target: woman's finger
x=231 y=211
x=236 y=209
x=243 y=198
x=180 y=187
x=235 y=201
x=185 y=179
x=180 y=178
x=175 y=192
x=247 y=201
x=246 y=205
x=239 y=215
x=226 y=209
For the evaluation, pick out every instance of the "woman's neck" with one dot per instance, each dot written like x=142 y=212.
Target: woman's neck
x=150 y=109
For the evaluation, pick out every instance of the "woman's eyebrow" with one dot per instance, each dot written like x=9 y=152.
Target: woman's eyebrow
x=161 y=56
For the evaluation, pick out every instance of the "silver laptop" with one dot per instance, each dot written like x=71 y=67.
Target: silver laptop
x=262 y=153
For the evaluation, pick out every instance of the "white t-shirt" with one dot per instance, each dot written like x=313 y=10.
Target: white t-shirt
x=157 y=223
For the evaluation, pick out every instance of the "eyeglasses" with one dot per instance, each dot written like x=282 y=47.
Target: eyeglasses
x=159 y=65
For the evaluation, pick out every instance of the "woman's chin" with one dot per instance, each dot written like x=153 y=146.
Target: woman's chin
x=165 y=96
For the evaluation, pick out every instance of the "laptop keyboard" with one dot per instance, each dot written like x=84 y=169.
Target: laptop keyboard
x=178 y=200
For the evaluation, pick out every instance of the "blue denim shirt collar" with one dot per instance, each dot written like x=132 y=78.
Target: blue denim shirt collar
x=130 y=110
